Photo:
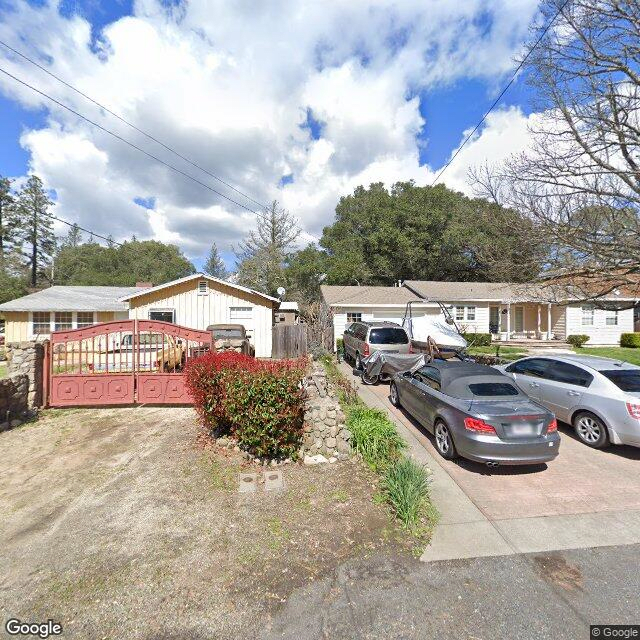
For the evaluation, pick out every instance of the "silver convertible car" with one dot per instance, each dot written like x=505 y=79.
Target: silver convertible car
x=477 y=413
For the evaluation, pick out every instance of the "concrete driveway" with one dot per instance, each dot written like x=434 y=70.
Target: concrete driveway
x=584 y=498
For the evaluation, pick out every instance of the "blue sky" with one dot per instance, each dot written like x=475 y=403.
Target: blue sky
x=300 y=107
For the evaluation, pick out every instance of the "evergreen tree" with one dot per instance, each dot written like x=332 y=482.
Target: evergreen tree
x=37 y=227
x=214 y=265
x=8 y=221
x=73 y=237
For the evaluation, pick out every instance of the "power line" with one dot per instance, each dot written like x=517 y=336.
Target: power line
x=77 y=226
x=119 y=117
x=511 y=81
x=127 y=142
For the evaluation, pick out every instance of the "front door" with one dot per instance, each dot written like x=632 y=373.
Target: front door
x=494 y=320
x=518 y=319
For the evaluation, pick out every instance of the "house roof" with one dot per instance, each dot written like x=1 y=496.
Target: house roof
x=346 y=296
x=452 y=291
x=63 y=298
x=289 y=306
x=195 y=276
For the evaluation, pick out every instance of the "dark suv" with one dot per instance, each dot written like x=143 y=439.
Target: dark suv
x=361 y=339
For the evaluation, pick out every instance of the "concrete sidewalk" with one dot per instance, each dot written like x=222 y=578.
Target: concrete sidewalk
x=467 y=530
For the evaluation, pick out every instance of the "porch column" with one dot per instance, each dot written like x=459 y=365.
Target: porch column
x=509 y=321
x=548 y=321
x=539 y=328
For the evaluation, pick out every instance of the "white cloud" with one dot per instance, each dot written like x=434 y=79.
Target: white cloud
x=228 y=84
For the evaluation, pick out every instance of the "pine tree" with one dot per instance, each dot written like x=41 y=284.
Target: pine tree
x=37 y=227
x=214 y=265
x=8 y=221
x=73 y=237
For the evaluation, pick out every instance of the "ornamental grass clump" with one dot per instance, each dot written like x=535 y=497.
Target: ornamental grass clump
x=259 y=402
x=405 y=486
x=374 y=437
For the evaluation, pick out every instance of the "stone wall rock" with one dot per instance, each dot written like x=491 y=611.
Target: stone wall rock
x=27 y=358
x=325 y=431
x=14 y=400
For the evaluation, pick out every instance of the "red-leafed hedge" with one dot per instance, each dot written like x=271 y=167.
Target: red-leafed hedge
x=260 y=402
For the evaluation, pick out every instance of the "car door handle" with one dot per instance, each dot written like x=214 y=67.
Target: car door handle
x=573 y=393
x=534 y=384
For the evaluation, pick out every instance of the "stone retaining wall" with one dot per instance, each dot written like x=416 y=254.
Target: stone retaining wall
x=14 y=406
x=27 y=358
x=325 y=432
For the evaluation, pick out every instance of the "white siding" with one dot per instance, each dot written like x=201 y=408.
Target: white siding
x=600 y=332
x=480 y=324
x=198 y=311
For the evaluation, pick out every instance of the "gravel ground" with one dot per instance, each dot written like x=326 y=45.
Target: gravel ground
x=118 y=524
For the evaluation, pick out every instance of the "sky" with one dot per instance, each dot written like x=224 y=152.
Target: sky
x=291 y=100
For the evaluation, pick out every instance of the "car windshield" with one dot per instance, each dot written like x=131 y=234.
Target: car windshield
x=626 y=379
x=220 y=334
x=488 y=389
x=388 y=335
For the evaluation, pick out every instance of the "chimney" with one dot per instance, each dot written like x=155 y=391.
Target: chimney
x=144 y=285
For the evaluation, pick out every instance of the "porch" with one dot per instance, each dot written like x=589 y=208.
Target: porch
x=528 y=322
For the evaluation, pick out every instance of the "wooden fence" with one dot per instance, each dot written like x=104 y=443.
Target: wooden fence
x=289 y=341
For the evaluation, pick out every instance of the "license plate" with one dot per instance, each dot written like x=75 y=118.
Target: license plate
x=523 y=429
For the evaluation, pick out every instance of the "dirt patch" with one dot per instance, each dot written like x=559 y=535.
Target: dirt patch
x=117 y=524
x=556 y=570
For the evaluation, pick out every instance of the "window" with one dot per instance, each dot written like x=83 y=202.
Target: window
x=63 y=320
x=626 y=379
x=429 y=376
x=240 y=313
x=388 y=335
x=471 y=313
x=611 y=318
x=459 y=313
x=353 y=317
x=493 y=389
x=203 y=287
x=587 y=316
x=163 y=315
x=465 y=313
x=569 y=374
x=535 y=367
x=41 y=323
x=85 y=319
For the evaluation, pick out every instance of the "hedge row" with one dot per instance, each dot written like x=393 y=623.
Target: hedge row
x=477 y=339
x=631 y=340
x=260 y=402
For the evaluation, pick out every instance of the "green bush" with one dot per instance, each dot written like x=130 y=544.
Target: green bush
x=478 y=339
x=374 y=437
x=578 y=340
x=630 y=340
x=340 y=346
x=260 y=402
x=405 y=486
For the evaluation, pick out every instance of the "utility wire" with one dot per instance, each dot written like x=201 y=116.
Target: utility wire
x=77 y=226
x=133 y=126
x=511 y=81
x=125 y=141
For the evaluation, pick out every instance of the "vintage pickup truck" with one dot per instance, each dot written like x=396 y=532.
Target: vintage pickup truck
x=231 y=337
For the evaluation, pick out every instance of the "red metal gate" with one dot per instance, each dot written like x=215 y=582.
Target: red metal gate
x=122 y=362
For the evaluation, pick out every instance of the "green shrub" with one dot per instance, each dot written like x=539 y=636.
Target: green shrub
x=260 y=402
x=630 y=340
x=374 y=437
x=405 y=486
x=578 y=340
x=340 y=346
x=478 y=339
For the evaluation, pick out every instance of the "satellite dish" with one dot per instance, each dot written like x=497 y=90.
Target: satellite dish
x=281 y=291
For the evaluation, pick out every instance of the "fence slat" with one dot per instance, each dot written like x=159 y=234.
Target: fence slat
x=289 y=341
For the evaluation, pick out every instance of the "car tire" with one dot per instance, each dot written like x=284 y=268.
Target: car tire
x=590 y=430
x=444 y=442
x=394 y=395
x=358 y=362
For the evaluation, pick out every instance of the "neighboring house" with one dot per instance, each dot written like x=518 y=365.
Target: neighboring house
x=288 y=313
x=195 y=301
x=507 y=311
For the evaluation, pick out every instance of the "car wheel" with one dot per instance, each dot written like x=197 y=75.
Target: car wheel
x=444 y=441
x=358 y=362
x=591 y=430
x=394 y=396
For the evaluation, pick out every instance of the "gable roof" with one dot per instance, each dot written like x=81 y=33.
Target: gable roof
x=352 y=295
x=63 y=298
x=195 y=276
x=452 y=291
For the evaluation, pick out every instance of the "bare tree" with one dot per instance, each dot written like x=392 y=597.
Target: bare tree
x=580 y=180
x=262 y=254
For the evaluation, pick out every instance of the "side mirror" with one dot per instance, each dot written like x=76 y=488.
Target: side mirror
x=449 y=320
x=406 y=374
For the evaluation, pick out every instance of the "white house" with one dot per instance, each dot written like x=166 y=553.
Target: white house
x=195 y=301
x=508 y=311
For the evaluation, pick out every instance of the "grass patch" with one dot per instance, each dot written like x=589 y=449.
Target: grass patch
x=405 y=486
x=340 y=496
x=3 y=369
x=374 y=437
x=626 y=354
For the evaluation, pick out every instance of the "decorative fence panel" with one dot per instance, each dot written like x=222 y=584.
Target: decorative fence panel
x=289 y=341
